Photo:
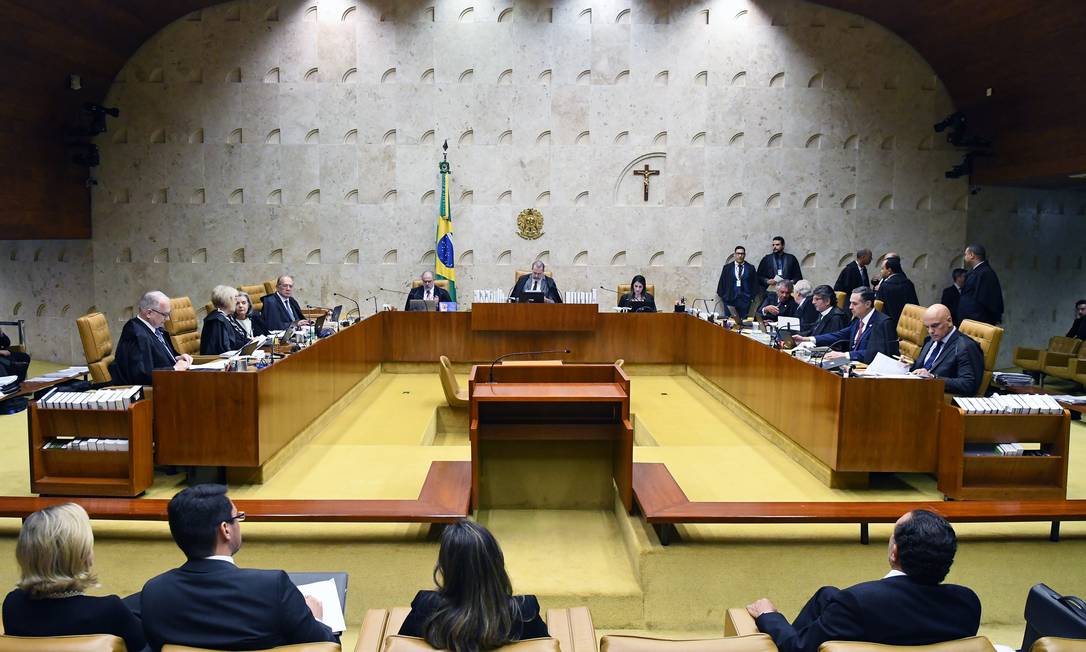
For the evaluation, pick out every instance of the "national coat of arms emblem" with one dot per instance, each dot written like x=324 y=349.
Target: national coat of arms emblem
x=530 y=224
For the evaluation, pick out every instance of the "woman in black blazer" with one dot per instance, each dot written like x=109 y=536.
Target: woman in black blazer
x=473 y=607
x=220 y=333
x=247 y=319
x=55 y=552
x=637 y=300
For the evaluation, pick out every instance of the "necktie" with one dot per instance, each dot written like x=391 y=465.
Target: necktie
x=859 y=334
x=162 y=340
x=290 y=313
x=933 y=355
x=535 y=285
x=429 y=296
x=863 y=277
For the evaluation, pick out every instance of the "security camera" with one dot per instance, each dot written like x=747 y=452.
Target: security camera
x=98 y=115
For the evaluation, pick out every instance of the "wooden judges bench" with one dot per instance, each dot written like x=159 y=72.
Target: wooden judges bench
x=846 y=427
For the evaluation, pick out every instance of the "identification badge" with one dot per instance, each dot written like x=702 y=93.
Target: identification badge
x=780 y=272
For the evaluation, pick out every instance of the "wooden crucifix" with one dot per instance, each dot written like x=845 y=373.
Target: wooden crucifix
x=645 y=174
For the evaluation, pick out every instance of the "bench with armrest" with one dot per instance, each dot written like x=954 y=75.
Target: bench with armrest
x=1030 y=359
x=84 y=643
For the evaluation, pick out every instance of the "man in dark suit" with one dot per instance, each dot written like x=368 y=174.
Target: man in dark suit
x=535 y=282
x=895 y=290
x=12 y=363
x=830 y=317
x=982 y=296
x=909 y=606
x=778 y=264
x=281 y=309
x=1078 y=327
x=869 y=333
x=779 y=303
x=427 y=291
x=952 y=293
x=950 y=355
x=144 y=346
x=854 y=274
x=211 y=603
x=737 y=285
x=805 y=308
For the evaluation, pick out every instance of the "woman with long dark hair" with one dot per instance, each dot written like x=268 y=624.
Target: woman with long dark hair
x=473 y=607
x=638 y=299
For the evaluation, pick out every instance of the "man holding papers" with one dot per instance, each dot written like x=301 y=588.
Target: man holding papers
x=949 y=355
x=211 y=603
x=870 y=332
x=144 y=346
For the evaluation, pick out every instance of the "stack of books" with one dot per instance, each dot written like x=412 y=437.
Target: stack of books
x=1010 y=404
x=118 y=398
x=86 y=444
x=1011 y=379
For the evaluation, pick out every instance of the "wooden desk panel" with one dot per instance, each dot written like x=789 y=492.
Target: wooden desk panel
x=889 y=424
x=533 y=317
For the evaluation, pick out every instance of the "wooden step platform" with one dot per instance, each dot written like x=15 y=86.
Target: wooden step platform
x=663 y=504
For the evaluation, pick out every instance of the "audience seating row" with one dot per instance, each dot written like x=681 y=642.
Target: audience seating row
x=1057 y=359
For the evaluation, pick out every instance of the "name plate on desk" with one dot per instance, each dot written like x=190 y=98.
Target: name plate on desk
x=533 y=317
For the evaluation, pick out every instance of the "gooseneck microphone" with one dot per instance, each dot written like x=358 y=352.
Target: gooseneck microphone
x=490 y=377
x=354 y=301
x=609 y=290
x=374 y=297
x=391 y=290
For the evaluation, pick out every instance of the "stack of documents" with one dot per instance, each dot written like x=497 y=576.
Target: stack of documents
x=86 y=444
x=60 y=374
x=1010 y=404
x=886 y=367
x=1008 y=379
x=118 y=398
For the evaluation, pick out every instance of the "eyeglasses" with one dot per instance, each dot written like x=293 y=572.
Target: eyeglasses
x=239 y=517
x=164 y=314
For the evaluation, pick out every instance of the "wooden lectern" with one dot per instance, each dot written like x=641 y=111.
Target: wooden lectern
x=549 y=435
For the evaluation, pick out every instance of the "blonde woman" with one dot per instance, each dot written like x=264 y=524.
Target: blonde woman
x=55 y=552
x=220 y=333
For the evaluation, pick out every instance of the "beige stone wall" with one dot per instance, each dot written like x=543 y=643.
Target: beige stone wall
x=258 y=138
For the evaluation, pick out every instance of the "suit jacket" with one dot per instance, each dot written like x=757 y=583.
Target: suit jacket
x=982 y=296
x=726 y=289
x=648 y=305
x=139 y=353
x=895 y=291
x=426 y=603
x=960 y=364
x=835 y=320
x=878 y=337
x=417 y=293
x=79 y=614
x=211 y=603
x=950 y=298
x=850 y=278
x=1078 y=329
x=547 y=284
x=220 y=334
x=787 y=309
x=275 y=314
x=807 y=314
x=893 y=611
x=767 y=268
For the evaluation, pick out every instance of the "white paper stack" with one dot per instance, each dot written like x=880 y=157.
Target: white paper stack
x=1009 y=404
x=117 y=398
x=91 y=444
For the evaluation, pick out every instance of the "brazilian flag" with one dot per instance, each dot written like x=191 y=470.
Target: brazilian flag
x=443 y=265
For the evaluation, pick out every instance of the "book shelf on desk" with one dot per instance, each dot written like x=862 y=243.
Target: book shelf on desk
x=64 y=472
x=998 y=477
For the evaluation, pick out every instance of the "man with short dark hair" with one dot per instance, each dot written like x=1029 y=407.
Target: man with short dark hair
x=870 y=332
x=895 y=290
x=908 y=606
x=982 y=295
x=830 y=317
x=1078 y=328
x=778 y=264
x=780 y=303
x=950 y=355
x=536 y=284
x=952 y=293
x=211 y=603
x=737 y=285
x=854 y=274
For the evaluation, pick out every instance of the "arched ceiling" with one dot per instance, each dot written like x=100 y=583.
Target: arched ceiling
x=1030 y=53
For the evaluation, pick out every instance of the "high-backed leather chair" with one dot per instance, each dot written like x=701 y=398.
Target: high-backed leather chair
x=297 y=647
x=1063 y=365
x=911 y=330
x=269 y=286
x=624 y=288
x=97 y=345
x=988 y=337
x=84 y=643
x=256 y=295
x=522 y=272
x=749 y=643
x=842 y=299
x=879 y=304
x=1030 y=359
x=455 y=396
x=1058 y=644
x=971 y=644
x=571 y=631
x=438 y=282
x=181 y=326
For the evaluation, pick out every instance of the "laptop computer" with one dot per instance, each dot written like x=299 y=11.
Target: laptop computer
x=320 y=324
x=420 y=305
x=252 y=345
x=531 y=297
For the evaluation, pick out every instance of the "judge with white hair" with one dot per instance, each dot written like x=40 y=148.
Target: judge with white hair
x=144 y=345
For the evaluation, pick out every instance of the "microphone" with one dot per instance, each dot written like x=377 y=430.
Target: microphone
x=374 y=297
x=354 y=301
x=609 y=290
x=391 y=290
x=490 y=378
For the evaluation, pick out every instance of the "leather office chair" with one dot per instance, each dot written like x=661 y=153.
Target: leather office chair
x=181 y=326
x=1064 y=365
x=438 y=282
x=1057 y=644
x=971 y=644
x=297 y=647
x=1077 y=368
x=454 y=396
x=269 y=287
x=1031 y=359
x=256 y=295
x=988 y=337
x=749 y=643
x=571 y=631
x=97 y=345
x=879 y=304
x=842 y=299
x=624 y=288
x=911 y=331
x=84 y=643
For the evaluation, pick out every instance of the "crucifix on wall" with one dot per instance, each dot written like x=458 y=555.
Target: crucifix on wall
x=645 y=174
